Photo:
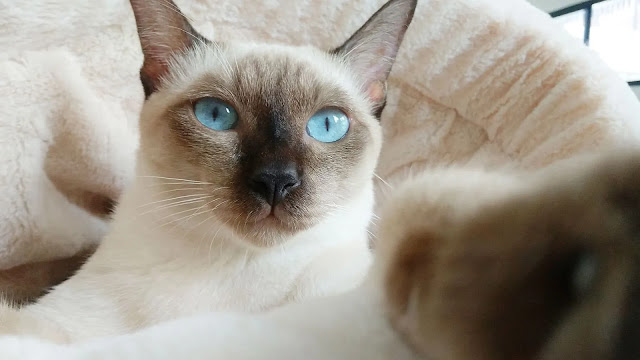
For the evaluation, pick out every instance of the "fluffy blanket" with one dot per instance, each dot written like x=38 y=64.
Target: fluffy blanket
x=490 y=82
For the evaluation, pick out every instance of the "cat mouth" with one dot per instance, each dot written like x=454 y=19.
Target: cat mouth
x=262 y=224
x=272 y=214
x=266 y=231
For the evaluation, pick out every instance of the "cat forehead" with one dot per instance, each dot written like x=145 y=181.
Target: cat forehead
x=264 y=67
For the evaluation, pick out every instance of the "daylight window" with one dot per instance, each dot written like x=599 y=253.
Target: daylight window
x=574 y=23
x=611 y=28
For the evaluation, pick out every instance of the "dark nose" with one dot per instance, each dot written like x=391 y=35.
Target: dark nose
x=273 y=182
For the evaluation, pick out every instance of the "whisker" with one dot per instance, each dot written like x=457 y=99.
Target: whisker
x=176 y=179
x=174 y=214
x=206 y=233
x=185 y=196
x=182 y=202
x=193 y=36
x=176 y=183
x=213 y=239
x=203 y=221
x=203 y=205
x=179 y=189
x=246 y=219
x=383 y=181
x=186 y=218
x=174 y=8
x=171 y=199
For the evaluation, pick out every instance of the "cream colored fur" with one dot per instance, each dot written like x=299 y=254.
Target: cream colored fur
x=142 y=275
x=168 y=256
x=483 y=81
x=427 y=215
x=145 y=273
x=344 y=327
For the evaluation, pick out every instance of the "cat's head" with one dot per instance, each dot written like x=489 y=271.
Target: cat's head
x=539 y=269
x=280 y=136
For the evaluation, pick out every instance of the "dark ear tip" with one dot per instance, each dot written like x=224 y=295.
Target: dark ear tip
x=413 y=4
x=163 y=31
x=147 y=84
x=410 y=5
x=377 y=113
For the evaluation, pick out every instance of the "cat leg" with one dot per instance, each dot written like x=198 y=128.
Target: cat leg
x=41 y=221
x=65 y=227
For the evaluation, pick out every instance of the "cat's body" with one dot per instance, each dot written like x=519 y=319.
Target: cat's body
x=542 y=266
x=254 y=182
x=158 y=279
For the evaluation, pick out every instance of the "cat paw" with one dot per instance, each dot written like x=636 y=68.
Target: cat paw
x=544 y=269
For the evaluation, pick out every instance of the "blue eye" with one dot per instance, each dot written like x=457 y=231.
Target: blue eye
x=215 y=114
x=328 y=125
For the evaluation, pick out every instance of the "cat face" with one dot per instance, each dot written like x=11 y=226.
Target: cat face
x=537 y=269
x=282 y=136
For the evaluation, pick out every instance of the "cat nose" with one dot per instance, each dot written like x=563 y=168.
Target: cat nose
x=274 y=182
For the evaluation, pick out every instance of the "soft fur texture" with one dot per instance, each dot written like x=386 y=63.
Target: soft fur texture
x=541 y=266
x=491 y=82
x=192 y=235
x=471 y=265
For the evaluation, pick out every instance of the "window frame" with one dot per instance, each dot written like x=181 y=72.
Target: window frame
x=587 y=6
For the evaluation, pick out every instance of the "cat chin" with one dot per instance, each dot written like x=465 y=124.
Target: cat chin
x=268 y=232
x=264 y=227
x=264 y=241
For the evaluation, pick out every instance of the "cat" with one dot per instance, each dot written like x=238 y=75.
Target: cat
x=547 y=270
x=254 y=182
x=471 y=265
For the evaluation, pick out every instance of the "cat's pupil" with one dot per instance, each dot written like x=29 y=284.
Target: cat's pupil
x=215 y=113
x=326 y=123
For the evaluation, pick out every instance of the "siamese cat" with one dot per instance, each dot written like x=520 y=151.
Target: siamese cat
x=471 y=265
x=547 y=268
x=254 y=180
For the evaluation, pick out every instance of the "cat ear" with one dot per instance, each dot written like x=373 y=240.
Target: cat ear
x=372 y=50
x=163 y=31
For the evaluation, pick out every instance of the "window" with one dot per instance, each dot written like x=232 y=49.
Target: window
x=574 y=23
x=609 y=27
